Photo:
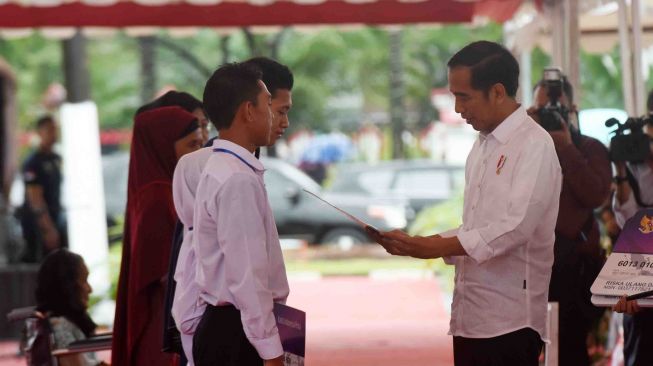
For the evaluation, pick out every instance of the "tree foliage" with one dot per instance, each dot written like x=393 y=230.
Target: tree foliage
x=328 y=64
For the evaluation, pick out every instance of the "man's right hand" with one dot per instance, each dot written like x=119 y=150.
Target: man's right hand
x=274 y=362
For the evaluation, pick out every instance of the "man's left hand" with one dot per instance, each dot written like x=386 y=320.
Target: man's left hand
x=562 y=137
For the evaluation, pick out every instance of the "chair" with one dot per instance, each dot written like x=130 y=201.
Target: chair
x=38 y=341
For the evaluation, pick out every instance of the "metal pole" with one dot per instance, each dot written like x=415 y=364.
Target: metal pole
x=572 y=69
x=638 y=75
x=147 y=47
x=551 y=354
x=626 y=61
x=397 y=90
x=525 y=76
x=76 y=68
x=554 y=11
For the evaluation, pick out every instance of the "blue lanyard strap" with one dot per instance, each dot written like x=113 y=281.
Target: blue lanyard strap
x=236 y=155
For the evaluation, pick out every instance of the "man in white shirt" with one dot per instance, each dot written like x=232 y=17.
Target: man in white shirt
x=186 y=309
x=503 y=251
x=240 y=270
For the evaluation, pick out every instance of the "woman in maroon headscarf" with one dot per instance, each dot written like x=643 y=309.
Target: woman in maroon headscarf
x=160 y=137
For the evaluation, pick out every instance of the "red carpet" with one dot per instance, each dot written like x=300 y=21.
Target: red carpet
x=357 y=321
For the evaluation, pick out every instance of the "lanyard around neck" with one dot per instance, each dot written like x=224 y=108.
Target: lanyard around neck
x=226 y=151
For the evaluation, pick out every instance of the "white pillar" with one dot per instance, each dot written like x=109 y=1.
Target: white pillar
x=551 y=355
x=626 y=61
x=84 y=191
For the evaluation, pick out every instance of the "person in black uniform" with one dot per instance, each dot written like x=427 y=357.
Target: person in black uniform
x=42 y=220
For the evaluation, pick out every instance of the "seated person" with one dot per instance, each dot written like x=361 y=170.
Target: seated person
x=62 y=294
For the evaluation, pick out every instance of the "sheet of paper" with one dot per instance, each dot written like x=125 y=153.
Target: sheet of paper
x=353 y=218
x=629 y=269
x=602 y=300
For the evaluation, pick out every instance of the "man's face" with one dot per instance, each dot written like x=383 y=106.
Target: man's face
x=261 y=115
x=48 y=134
x=281 y=104
x=475 y=106
x=648 y=129
x=541 y=98
x=204 y=124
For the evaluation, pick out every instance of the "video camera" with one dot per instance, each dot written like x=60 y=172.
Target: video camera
x=629 y=142
x=553 y=114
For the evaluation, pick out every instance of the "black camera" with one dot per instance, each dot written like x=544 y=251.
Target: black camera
x=629 y=142
x=553 y=114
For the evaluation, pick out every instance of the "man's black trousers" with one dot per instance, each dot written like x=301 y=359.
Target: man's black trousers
x=221 y=341
x=521 y=347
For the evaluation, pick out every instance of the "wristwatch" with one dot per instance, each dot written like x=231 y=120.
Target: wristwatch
x=617 y=179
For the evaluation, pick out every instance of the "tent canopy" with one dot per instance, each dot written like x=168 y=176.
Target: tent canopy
x=21 y=14
x=599 y=28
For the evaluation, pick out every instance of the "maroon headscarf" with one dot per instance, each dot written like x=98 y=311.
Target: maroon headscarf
x=149 y=226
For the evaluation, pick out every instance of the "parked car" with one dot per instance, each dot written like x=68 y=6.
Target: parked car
x=421 y=183
x=297 y=213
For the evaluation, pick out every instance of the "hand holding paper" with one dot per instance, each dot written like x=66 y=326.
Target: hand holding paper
x=626 y=306
x=397 y=242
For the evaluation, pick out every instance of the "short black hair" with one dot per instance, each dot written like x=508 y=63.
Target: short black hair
x=43 y=120
x=228 y=87
x=567 y=89
x=173 y=98
x=490 y=63
x=275 y=75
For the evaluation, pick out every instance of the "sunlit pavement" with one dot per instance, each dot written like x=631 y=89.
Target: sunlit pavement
x=360 y=321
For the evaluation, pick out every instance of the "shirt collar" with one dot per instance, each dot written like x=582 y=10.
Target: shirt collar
x=504 y=131
x=240 y=151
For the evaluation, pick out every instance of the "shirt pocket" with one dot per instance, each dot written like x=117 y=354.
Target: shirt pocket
x=497 y=184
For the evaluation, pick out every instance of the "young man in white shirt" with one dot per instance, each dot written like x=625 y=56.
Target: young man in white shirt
x=240 y=270
x=503 y=251
x=186 y=309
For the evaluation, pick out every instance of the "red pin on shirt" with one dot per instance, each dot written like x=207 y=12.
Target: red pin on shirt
x=501 y=163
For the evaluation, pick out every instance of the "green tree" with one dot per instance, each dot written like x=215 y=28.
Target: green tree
x=37 y=63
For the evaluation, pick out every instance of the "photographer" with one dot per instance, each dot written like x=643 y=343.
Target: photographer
x=586 y=185
x=634 y=192
x=635 y=179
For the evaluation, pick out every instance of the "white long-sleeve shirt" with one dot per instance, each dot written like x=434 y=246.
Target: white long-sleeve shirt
x=235 y=240
x=512 y=190
x=187 y=309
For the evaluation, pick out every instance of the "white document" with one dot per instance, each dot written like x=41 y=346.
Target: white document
x=353 y=218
